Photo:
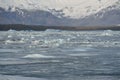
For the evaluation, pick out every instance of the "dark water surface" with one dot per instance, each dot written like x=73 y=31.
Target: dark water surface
x=60 y=55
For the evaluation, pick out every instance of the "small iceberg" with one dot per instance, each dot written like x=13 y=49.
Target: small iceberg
x=37 y=56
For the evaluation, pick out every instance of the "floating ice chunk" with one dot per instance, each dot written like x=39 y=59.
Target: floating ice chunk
x=8 y=41
x=36 y=42
x=54 y=42
x=9 y=36
x=37 y=56
x=107 y=33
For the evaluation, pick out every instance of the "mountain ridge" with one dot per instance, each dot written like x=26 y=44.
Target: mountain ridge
x=108 y=12
x=73 y=9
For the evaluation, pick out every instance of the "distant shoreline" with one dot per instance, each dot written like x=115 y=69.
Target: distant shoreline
x=19 y=27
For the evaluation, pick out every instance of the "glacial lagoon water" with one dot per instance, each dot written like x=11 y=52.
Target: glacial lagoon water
x=60 y=55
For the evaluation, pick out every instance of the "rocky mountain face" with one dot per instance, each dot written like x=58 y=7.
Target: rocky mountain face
x=60 y=12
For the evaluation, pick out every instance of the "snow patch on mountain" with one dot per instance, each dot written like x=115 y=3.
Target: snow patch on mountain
x=61 y=8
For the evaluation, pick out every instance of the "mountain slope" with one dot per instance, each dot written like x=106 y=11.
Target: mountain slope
x=60 y=12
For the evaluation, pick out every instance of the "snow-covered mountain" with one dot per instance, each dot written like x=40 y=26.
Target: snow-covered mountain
x=60 y=12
